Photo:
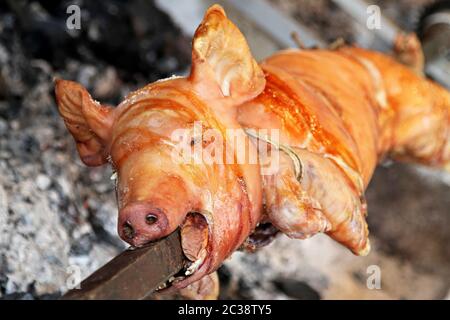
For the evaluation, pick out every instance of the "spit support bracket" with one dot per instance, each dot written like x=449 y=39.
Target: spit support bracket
x=133 y=274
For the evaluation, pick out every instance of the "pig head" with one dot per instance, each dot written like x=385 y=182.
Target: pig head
x=215 y=205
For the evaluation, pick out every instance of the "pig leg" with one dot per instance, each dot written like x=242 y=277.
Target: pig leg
x=207 y=288
x=289 y=207
x=407 y=50
x=323 y=201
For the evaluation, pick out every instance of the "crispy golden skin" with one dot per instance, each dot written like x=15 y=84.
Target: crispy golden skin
x=338 y=113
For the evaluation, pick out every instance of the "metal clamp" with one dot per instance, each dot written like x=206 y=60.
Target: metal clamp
x=298 y=166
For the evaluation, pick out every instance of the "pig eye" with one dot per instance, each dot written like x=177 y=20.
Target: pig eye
x=195 y=140
x=150 y=219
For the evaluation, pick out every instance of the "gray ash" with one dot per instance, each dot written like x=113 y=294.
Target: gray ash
x=55 y=212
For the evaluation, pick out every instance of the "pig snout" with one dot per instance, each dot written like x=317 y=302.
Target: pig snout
x=156 y=213
x=142 y=222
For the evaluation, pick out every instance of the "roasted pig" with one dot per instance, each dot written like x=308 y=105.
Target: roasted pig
x=324 y=118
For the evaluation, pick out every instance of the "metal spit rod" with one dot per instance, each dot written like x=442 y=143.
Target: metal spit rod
x=134 y=274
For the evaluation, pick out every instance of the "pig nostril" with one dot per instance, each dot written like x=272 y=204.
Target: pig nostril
x=150 y=219
x=128 y=230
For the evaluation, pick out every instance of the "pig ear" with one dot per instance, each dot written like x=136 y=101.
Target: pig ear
x=222 y=58
x=89 y=122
